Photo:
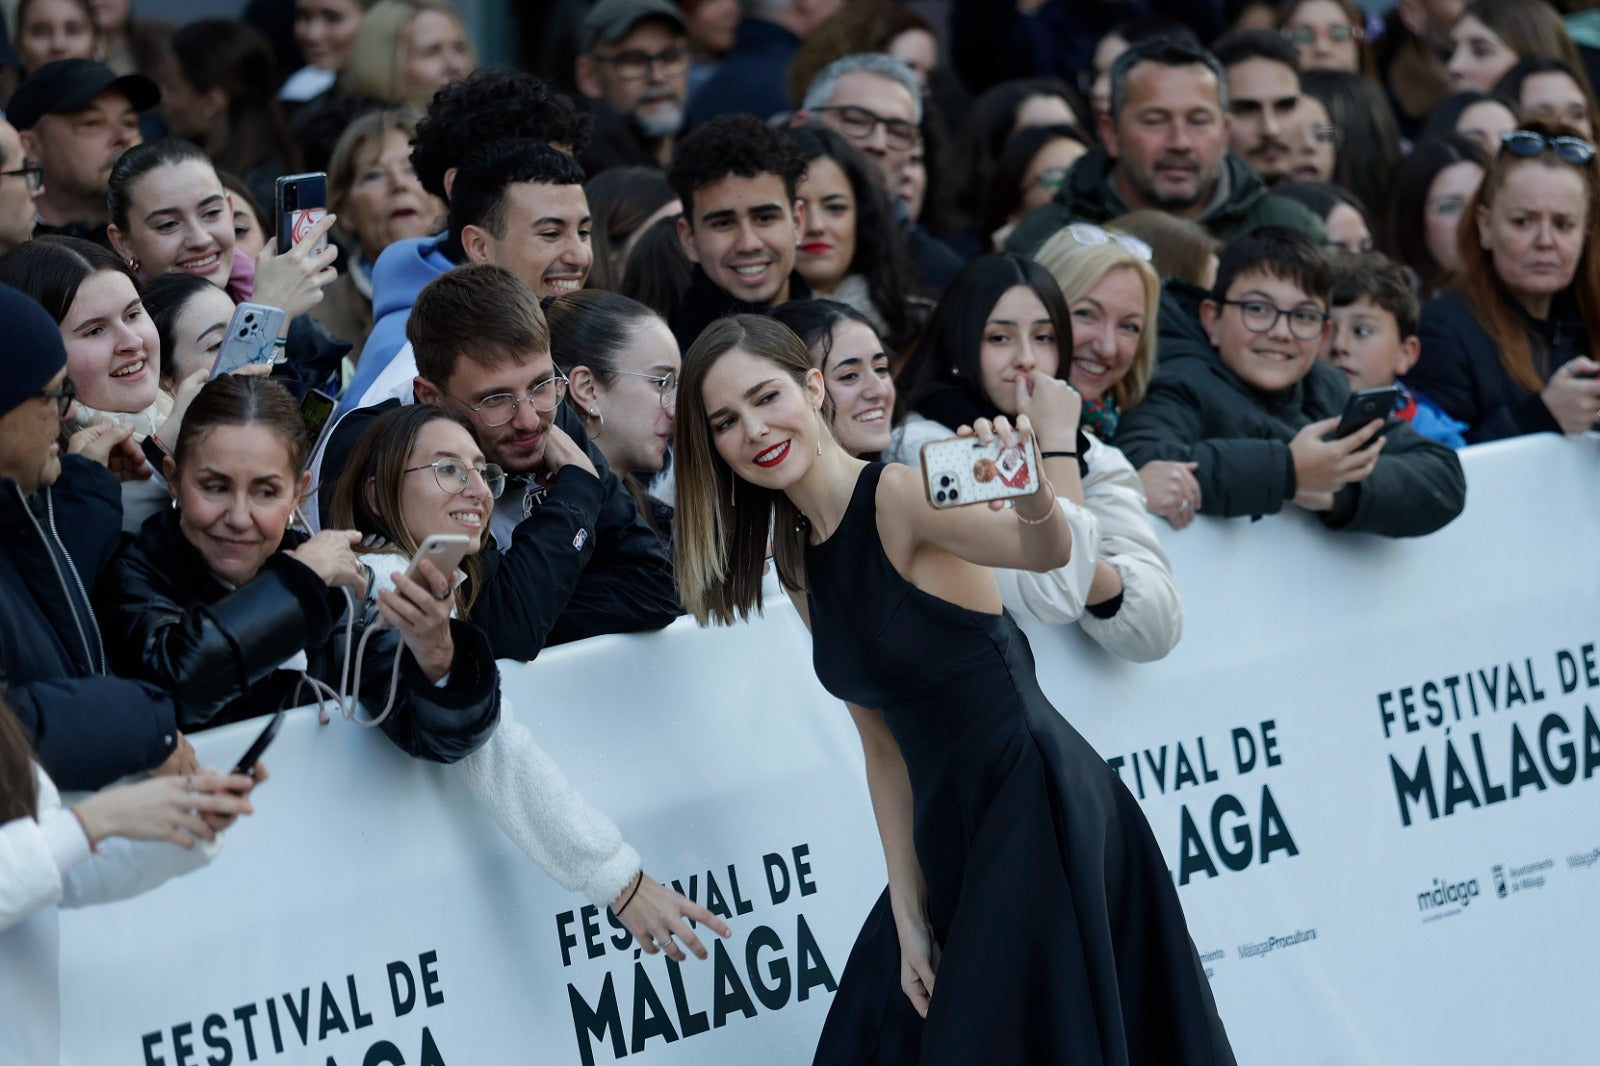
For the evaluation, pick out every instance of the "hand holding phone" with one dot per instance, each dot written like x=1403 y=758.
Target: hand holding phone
x=247 y=762
x=965 y=470
x=1366 y=405
x=250 y=340
x=301 y=201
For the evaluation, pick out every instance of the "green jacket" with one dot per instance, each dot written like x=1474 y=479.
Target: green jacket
x=1087 y=196
x=1197 y=410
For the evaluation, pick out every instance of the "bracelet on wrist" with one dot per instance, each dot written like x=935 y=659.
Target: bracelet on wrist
x=638 y=880
x=1042 y=519
x=1058 y=455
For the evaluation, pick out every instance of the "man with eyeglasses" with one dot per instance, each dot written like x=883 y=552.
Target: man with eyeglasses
x=21 y=182
x=76 y=118
x=571 y=557
x=1248 y=406
x=635 y=72
x=60 y=522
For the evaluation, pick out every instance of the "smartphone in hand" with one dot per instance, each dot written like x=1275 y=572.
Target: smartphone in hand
x=301 y=201
x=1364 y=406
x=247 y=761
x=963 y=470
x=444 y=550
x=249 y=340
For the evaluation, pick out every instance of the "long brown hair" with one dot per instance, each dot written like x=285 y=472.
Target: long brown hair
x=19 y=794
x=722 y=520
x=1487 y=296
x=378 y=462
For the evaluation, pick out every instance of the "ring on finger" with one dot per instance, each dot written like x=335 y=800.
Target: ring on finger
x=445 y=595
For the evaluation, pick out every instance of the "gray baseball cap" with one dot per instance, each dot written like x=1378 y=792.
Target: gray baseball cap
x=610 y=20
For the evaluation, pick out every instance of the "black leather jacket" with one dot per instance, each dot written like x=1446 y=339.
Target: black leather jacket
x=169 y=621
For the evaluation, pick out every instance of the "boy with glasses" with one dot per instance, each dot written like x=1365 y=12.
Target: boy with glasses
x=634 y=71
x=569 y=557
x=1254 y=410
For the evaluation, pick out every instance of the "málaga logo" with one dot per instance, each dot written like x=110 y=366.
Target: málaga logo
x=1446 y=898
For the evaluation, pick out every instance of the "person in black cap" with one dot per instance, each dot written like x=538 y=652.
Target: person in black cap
x=635 y=71
x=60 y=523
x=76 y=117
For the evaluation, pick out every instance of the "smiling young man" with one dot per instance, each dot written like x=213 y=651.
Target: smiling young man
x=75 y=118
x=1254 y=409
x=741 y=221
x=1165 y=148
x=571 y=557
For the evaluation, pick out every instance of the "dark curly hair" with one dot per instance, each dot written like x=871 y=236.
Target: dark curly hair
x=492 y=105
x=738 y=145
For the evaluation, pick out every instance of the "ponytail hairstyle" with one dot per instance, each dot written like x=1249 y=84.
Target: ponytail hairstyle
x=138 y=162
x=723 y=521
x=588 y=328
x=232 y=400
x=367 y=494
x=19 y=793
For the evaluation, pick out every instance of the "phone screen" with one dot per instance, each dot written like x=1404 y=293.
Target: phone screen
x=315 y=409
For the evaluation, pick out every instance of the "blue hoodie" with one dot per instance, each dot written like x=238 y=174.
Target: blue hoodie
x=402 y=270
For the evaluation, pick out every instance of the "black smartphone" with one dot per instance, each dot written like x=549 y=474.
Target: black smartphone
x=314 y=410
x=301 y=201
x=247 y=761
x=1362 y=407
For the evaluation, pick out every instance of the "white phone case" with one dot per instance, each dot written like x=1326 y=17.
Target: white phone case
x=249 y=339
x=962 y=470
x=444 y=550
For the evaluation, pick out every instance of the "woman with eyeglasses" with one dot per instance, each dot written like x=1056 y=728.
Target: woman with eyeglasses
x=221 y=602
x=1510 y=350
x=621 y=363
x=1031 y=169
x=1329 y=34
x=1318 y=153
x=1368 y=138
x=417 y=471
x=1432 y=188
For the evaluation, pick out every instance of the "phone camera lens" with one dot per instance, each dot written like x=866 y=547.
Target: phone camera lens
x=940 y=496
x=945 y=481
x=953 y=494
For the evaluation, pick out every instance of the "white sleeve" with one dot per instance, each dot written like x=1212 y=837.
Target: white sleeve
x=126 y=868
x=905 y=443
x=32 y=856
x=533 y=804
x=1150 y=620
x=1057 y=597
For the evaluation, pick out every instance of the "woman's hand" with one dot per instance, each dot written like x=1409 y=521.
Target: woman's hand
x=656 y=915
x=1000 y=429
x=166 y=808
x=329 y=556
x=419 y=609
x=1171 y=490
x=182 y=397
x=1573 y=395
x=294 y=280
x=112 y=447
x=919 y=959
x=1053 y=407
x=182 y=760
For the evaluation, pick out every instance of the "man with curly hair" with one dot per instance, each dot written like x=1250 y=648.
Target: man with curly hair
x=741 y=221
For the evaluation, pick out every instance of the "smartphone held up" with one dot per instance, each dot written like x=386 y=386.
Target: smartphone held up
x=964 y=470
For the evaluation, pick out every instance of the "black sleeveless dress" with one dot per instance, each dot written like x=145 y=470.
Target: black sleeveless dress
x=1063 y=941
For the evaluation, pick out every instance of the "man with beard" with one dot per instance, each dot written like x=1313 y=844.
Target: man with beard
x=1263 y=100
x=635 y=71
x=76 y=118
x=1164 y=147
x=741 y=221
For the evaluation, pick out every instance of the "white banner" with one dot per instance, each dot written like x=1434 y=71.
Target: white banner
x=1372 y=765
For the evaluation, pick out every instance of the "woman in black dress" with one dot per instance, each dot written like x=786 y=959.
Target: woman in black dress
x=1023 y=880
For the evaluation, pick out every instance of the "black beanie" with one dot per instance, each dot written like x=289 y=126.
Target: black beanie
x=31 y=351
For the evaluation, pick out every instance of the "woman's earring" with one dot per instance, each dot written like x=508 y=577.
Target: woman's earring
x=596 y=416
x=133 y=264
x=731 y=486
x=819 y=445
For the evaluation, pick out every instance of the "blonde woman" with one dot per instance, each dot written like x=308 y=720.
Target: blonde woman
x=406 y=50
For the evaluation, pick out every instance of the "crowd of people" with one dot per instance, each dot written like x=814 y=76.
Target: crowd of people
x=658 y=319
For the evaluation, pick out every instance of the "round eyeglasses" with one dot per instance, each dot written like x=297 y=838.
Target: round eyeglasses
x=666 y=385
x=452 y=476
x=499 y=408
x=1258 y=316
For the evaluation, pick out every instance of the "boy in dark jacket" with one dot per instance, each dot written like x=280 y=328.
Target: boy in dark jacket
x=1253 y=408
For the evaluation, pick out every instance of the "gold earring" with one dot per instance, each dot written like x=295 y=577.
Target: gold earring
x=133 y=263
x=732 y=484
x=819 y=445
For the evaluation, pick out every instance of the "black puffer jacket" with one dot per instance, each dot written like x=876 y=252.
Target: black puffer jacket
x=1460 y=369
x=169 y=621
x=88 y=728
x=1198 y=410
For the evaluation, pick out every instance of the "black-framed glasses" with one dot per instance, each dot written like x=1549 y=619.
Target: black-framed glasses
x=1526 y=144
x=501 y=407
x=62 y=396
x=452 y=476
x=858 y=123
x=633 y=65
x=666 y=385
x=1087 y=233
x=32 y=176
x=1258 y=316
x=1339 y=33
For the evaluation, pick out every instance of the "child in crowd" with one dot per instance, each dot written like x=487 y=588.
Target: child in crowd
x=1374 y=340
x=1254 y=409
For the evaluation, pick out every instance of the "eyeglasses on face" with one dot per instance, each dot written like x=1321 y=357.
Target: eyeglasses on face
x=666 y=385
x=1051 y=178
x=1326 y=133
x=633 y=65
x=1338 y=33
x=32 y=176
x=1526 y=144
x=452 y=476
x=858 y=123
x=62 y=396
x=1091 y=235
x=499 y=408
x=1258 y=316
